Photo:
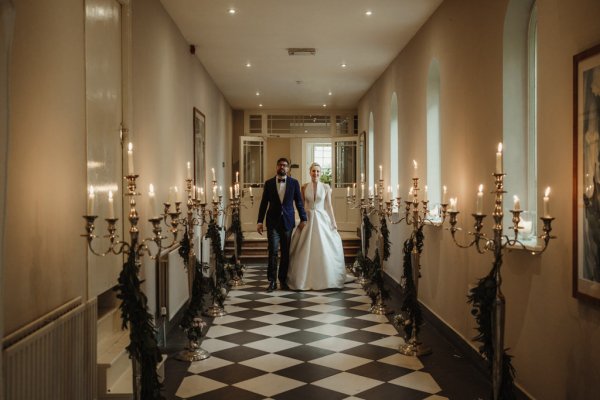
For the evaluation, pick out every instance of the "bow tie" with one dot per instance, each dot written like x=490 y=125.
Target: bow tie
x=280 y=180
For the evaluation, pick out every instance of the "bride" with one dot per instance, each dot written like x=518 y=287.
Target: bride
x=316 y=252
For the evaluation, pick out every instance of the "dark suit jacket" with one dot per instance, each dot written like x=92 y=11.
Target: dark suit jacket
x=278 y=212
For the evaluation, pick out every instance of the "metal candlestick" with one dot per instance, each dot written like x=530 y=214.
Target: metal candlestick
x=497 y=243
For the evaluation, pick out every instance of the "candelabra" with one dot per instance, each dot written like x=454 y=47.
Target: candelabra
x=234 y=208
x=134 y=249
x=366 y=207
x=496 y=244
x=195 y=217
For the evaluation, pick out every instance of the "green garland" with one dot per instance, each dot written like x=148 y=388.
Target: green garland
x=482 y=299
x=410 y=316
x=142 y=333
x=374 y=276
x=369 y=228
x=234 y=268
x=218 y=286
x=385 y=232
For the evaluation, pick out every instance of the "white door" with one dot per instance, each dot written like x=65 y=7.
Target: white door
x=345 y=170
x=253 y=150
x=104 y=114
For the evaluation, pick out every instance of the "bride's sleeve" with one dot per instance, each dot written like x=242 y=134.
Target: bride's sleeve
x=329 y=207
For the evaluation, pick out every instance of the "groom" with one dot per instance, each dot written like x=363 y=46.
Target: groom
x=279 y=195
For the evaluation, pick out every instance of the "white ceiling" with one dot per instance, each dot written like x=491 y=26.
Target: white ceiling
x=261 y=30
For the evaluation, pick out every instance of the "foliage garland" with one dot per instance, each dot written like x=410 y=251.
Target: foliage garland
x=233 y=267
x=410 y=316
x=218 y=286
x=143 y=346
x=369 y=228
x=191 y=322
x=482 y=299
x=385 y=232
x=373 y=273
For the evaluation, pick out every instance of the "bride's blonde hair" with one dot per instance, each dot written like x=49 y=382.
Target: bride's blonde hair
x=315 y=164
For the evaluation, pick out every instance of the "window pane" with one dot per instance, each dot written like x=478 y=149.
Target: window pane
x=255 y=123
x=345 y=164
x=253 y=163
x=298 y=124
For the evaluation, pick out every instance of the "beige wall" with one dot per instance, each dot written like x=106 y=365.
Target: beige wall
x=552 y=336
x=276 y=148
x=45 y=258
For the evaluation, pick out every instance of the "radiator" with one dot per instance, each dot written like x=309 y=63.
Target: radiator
x=172 y=286
x=54 y=357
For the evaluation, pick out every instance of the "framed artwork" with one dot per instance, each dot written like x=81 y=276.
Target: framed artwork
x=586 y=171
x=199 y=149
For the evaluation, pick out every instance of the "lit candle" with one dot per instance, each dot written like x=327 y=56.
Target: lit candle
x=236 y=190
x=220 y=190
x=375 y=190
x=453 y=204
x=201 y=195
x=389 y=195
x=362 y=177
x=348 y=191
x=237 y=176
x=152 y=200
x=362 y=190
x=250 y=189
x=479 y=203
x=398 y=190
x=177 y=195
x=547 y=203
x=425 y=194
x=370 y=191
x=410 y=191
x=517 y=203
x=214 y=193
x=171 y=197
x=414 y=169
x=354 y=189
x=213 y=174
x=130 y=158
x=111 y=206
x=90 y=202
x=189 y=170
x=380 y=172
x=499 y=159
x=230 y=193
x=444 y=193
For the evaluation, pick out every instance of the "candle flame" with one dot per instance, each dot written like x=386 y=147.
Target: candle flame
x=130 y=146
x=445 y=189
x=425 y=187
x=500 y=147
x=91 y=191
x=415 y=164
x=110 y=195
x=547 y=192
x=151 y=190
x=189 y=164
x=481 y=188
x=515 y=198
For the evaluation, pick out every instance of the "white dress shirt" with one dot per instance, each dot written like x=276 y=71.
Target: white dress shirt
x=281 y=187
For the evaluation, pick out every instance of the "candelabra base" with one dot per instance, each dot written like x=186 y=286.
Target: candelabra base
x=361 y=280
x=215 y=311
x=236 y=281
x=193 y=353
x=414 y=348
x=379 y=309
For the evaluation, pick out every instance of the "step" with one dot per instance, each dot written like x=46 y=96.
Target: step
x=123 y=386
x=113 y=359
x=108 y=323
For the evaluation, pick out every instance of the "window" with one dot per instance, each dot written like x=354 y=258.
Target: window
x=434 y=184
x=394 y=143
x=322 y=154
x=342 y=125
x=255 y=123
x=298 y=124
x=520 y=111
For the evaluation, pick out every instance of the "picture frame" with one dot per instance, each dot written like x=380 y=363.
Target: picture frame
x=586 y=175
x=199 y=127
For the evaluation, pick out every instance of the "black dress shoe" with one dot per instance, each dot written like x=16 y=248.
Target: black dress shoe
x=272 y=286
x=284 y=286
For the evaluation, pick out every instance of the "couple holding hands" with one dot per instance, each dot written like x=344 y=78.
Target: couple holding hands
x=312 y=258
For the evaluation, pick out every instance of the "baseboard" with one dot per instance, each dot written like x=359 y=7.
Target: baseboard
x=443 y=329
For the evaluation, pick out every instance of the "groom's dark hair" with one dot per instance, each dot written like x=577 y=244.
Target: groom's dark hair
x=283 y=159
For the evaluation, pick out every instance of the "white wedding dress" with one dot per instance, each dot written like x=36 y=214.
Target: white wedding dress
x=316 y=252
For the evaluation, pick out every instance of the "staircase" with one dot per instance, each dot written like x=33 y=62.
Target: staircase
x=114 y=365
x=255 y=249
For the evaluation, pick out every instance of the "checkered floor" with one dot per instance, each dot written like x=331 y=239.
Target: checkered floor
x=302 y=345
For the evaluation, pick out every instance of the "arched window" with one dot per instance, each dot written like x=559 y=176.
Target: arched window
x=434 y=169
x=371 y=151
x=394 y=143
x=520 y=111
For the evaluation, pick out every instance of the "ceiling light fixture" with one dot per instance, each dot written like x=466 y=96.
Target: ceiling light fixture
x=344 y=65
x=231 y=11
x=324 y=105
x=330 y=93
x=258 y=93
x=260 y=105
x=369 y=13
x=248 y=65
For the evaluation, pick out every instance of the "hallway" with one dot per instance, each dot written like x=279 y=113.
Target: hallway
x=321 y=345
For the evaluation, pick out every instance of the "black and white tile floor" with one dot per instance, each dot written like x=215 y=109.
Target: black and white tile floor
x=301 y=345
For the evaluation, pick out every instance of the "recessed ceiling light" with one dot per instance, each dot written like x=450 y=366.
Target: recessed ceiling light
x=248 y=65
x=344 y=65
x=260 y=105
x=324 y=105
x=231 y=11
x=330 y=93
x=369 y=13
x=257 y=93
